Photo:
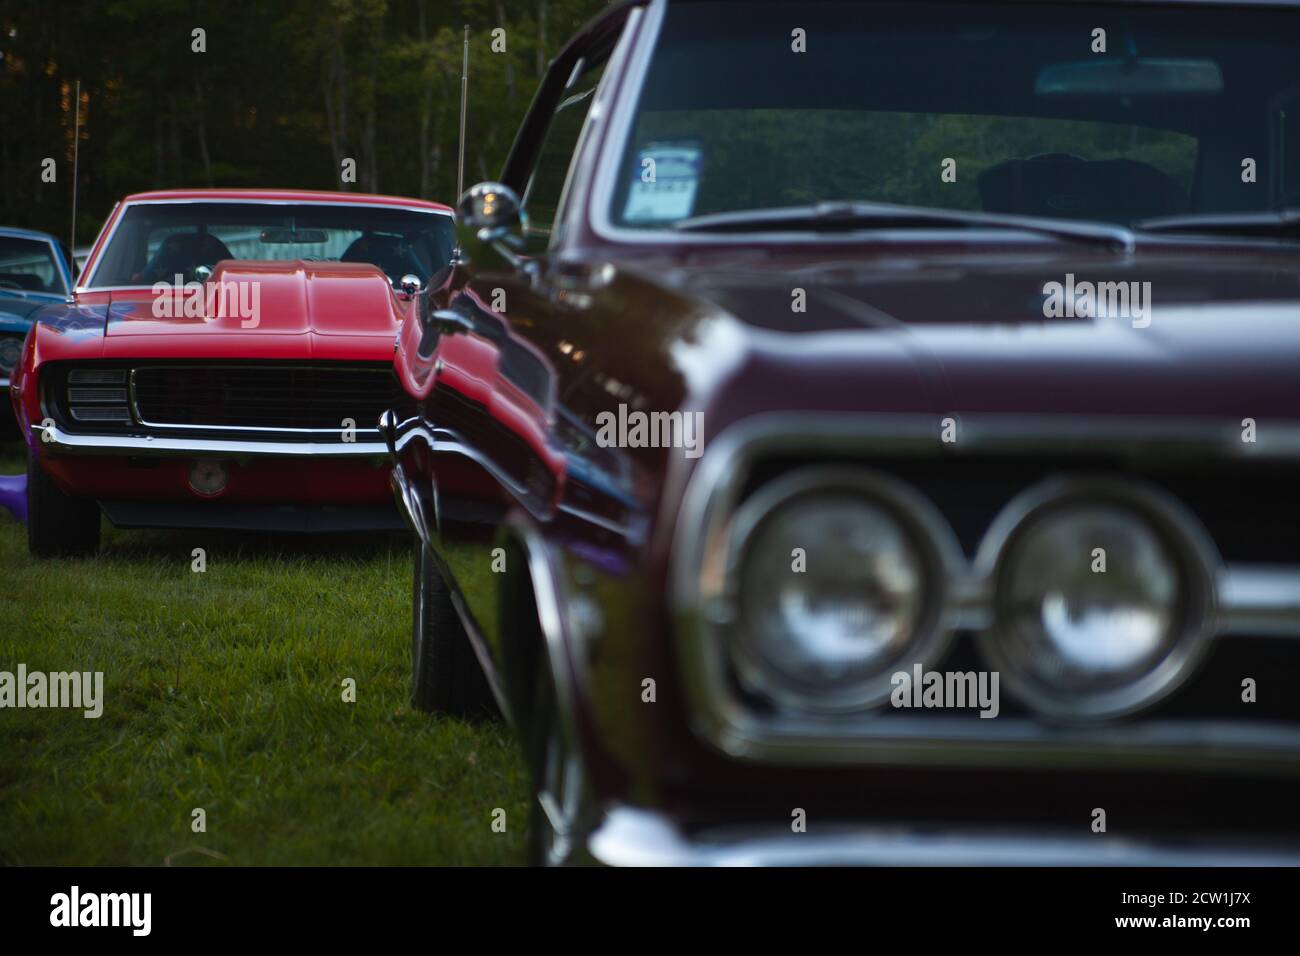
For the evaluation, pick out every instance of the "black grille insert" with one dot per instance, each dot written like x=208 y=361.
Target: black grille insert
x=317 y=398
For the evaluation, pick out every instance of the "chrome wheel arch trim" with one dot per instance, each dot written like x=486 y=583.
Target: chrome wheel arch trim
x=521 y=529
x=565 y=817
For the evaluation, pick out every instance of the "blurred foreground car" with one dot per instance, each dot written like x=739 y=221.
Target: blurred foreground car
x=785 y=368
x=222 y=364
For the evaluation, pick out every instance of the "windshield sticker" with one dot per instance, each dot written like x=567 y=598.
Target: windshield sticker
x=667 y=177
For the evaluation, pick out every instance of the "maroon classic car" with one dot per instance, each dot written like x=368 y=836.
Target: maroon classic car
x=223 y=363
x=870 y=432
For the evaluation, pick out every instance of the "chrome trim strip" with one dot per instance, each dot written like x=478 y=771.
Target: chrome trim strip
x=1250 y=595
x=444 y=440
x=408 y=504
x=1260 y=599
x=630 y=836
x=103 y=246
x=595 y=117
x=592 y=518
x=254 y=429
x=601 y=195
x=58 y=441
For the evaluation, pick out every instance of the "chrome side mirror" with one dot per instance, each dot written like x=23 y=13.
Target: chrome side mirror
x=491 y=209
x=409 y=286
x=494 y=214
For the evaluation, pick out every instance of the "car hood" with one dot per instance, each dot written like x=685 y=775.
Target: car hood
x=967 y=334
x=245 y=298
x=20 y=305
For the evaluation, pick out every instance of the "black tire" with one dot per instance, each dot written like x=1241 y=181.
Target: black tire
x=446 y=677
x=58 y=525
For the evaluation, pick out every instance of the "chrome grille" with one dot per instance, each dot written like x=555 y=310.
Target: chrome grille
x=1241 y=495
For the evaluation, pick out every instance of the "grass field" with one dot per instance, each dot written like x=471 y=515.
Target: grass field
x=223 y=690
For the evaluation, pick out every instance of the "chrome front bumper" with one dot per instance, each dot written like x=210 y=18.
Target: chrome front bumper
x=57 y=441
x=628 y=836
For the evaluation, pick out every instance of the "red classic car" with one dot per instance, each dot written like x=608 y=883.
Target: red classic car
x=868 y=433
x=222 y=363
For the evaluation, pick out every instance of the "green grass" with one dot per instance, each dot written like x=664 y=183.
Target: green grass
x=223 y=690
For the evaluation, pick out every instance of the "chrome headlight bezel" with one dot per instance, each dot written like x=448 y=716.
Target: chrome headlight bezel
x=932 y=543
x=1185 y=541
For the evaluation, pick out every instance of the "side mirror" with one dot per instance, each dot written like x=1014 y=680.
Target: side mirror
x=438 y=323
x=409 y=286
x=494 y=214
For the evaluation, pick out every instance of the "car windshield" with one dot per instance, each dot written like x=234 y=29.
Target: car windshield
x=28 y=265
x=155 y=242
x=1109 y=113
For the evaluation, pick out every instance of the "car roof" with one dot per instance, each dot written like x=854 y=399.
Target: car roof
x=283 y=195
x=13 y=232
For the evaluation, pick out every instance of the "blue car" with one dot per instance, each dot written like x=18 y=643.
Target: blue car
x=34 y=272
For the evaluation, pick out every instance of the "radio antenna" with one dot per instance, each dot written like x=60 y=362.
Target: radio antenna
x=464 y=107
x=76 y=149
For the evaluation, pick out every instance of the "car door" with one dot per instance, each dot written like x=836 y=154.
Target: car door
x=484 y=373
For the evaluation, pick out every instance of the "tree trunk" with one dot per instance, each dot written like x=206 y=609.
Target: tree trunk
x=510 y=66
x=543 y=54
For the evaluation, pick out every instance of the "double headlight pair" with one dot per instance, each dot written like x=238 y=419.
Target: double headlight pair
x=1090 y=598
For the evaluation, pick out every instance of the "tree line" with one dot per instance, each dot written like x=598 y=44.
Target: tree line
x=357 y=95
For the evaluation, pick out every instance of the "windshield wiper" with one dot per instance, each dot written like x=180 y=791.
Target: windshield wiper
x=1280 y=222
x=856 y=216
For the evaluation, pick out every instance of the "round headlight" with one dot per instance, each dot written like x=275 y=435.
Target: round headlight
x=835 y=590
x=1099 y=607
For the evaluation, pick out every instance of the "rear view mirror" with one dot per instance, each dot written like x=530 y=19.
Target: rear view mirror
x=1134 y=76
x=281 y=236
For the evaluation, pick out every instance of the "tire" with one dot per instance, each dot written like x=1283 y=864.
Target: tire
x=446 y=677
x=58 y=525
